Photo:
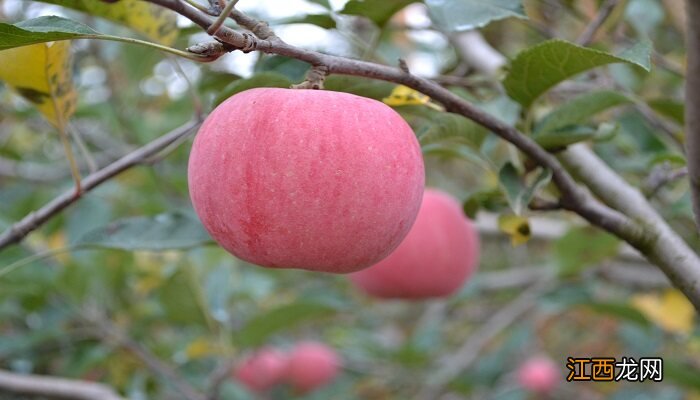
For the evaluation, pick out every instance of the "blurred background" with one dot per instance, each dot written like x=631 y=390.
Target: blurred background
x=75 y=296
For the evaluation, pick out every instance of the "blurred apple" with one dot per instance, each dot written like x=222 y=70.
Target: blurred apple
x=436 y=258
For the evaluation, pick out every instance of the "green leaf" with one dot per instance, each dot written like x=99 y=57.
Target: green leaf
x=150 y=20
x=42 y=30
x=619 y=310
x=295 y=70
x=161 y=232
x=464 y=15
x=682 y=373
x=454 y=150
x=582 y=247
x=323 y=20
x=556 y=140
x=445 y=126
x=580 y=110
x=372 y=88
x=263 y=79
x=537 y=69
x=178 y=297
x=672 y=109
x=518 y=193
x=262 y=326
x=322 y=3
x=512 y=185
x=379 y=11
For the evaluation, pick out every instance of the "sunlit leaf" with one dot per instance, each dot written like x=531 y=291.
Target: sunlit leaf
x=152 y=21
x=515 y=226
x=405 y=96
x=539 y=68
x=202 y=347
x=40 y=30
x=670 y=310
x=41 y=73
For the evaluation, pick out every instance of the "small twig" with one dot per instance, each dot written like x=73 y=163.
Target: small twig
x=89 y=159
x=453 y=365
x=222 y=17
x=108 y=331
x=54 y=388
x=314 y=78
x=589 y=32
x=540 y=204
x=196 y=98
x=660 y=176
x=218 y=377
x=35 y=219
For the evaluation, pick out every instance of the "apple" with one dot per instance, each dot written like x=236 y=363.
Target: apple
x=262 y=370
x=439 y=254
x=538 y=374
x=310 y=179
x=311 y=365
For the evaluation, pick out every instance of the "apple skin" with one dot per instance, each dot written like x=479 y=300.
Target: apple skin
x=538 y=374
x=311 y=365
x=309 y=179
x=439 y=254
x=262 y=370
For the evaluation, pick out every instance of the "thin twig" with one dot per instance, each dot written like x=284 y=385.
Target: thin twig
x=89 y=159
x=218 y=377
x=35 y=219
x=604 y=12
x=108 y=331
x=221 y=18
x=660 y=176
x=54 y=388
x=454 y=364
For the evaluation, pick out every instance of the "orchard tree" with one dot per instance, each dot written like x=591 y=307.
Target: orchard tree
x=320 y=199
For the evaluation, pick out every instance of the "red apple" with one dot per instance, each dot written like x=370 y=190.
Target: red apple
x=539 y=374
x=262 y=370
x=311 y=365
x=439 y=254
x=310 y=179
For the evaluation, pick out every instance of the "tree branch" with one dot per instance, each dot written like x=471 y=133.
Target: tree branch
x=659 y=243
x=32 y=221
x=692 y=103
x=54 y=388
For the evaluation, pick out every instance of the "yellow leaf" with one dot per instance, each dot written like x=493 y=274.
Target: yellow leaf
x=200 y=348
x=154 y=22
x=672 y=311
x=41 y=73
x=515 y=226
x=405 y=96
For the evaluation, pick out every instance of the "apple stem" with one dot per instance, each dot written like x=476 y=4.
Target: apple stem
x=314 y=78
